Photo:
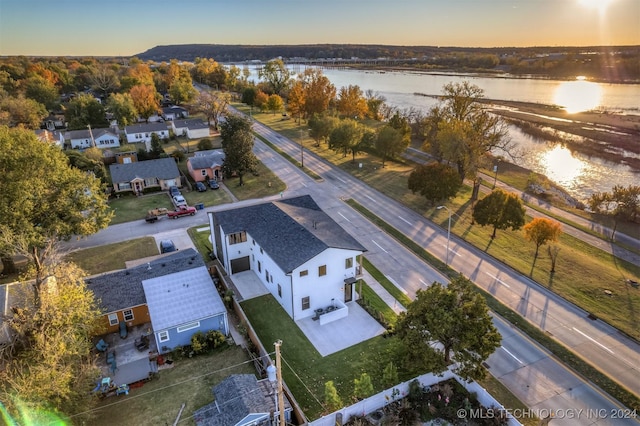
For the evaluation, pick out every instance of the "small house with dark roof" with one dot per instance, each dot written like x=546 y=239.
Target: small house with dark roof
x=174 y=293
x=241 y=400
x=302 y=256
x=206 y=167
x=141 y=133
x=174 y=112
x=138 y=176
x=193 y=128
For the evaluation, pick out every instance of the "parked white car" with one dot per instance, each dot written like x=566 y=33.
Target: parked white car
x=179 y=200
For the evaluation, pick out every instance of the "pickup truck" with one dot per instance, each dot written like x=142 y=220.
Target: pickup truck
x=181 y=211
x=155 y=214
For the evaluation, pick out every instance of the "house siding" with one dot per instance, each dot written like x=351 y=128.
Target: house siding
x=217 y=322
x=140 y=316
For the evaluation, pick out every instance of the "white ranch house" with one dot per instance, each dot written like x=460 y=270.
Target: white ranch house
x=141 y=133
x=302 y=256
x=100 y=138
x=193 y=128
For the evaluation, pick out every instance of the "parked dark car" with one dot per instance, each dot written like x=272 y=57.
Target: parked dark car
x=213 y=184
x=173 y=191
x=167 y=246
x=200 y=187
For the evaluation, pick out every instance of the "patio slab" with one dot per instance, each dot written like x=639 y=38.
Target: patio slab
x=335 y=336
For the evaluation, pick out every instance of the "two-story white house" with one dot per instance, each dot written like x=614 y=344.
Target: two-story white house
x=302 y=256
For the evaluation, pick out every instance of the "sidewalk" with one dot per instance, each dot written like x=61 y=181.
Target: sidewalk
x=380 y=291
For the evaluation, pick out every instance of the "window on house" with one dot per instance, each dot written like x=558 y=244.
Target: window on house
x=266 y=275
x=238 y=237
x=348 y=263
x=113 y=319
x=304 y=273
x=305 y=303
x=163 y=336
x=322 y=270
x=279 y=290
x=189 y=326
x=128 y=314
x=261 y=251
x=259 y=266
x=204 y=172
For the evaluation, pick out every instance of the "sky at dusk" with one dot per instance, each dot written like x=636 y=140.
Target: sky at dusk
x=129 y=27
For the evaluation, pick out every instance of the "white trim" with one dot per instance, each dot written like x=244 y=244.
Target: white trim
x=113 y=319
x=163 y=336
x=125 y=315
x=189 y=326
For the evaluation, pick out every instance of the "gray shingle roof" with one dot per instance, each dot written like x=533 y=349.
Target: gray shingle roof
x=291 y=230
x=192 y=123
x=85 y=134
x=123 y=289
x=207 y=161
x=146 y=128
x=162 y=168
x=182 y=297
x=236 y=397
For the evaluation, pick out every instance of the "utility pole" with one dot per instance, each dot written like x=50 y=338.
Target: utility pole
x=279 y=380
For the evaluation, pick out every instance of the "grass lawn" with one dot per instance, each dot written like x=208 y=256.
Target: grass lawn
x=304 y=370
x=110 y=257
x=158 y=401
x=201 y=240
x=128 y=207
x=262 y=184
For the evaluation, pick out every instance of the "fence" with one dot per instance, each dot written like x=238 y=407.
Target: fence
x=398 y=392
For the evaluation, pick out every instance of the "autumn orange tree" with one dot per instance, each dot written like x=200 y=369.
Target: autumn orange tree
x=541 y=231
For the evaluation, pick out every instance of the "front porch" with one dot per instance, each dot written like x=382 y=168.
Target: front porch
x=130 y=359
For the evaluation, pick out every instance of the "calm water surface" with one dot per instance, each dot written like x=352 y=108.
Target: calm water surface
x=579 y=174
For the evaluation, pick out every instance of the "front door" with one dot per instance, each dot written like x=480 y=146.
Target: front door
x=348 y=292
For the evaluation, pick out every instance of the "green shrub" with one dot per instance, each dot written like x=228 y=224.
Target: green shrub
x=199 y=343
x=214 y=339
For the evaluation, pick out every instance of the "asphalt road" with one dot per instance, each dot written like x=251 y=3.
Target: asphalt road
x=540 y=380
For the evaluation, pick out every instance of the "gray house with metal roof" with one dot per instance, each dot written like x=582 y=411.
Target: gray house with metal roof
x=138 y=176
x=302 y=256
x=174 y=293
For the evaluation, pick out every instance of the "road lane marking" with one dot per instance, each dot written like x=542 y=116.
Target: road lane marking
x=344 y=217
x=304 y=184
x=512 y=355
x=424 y=283
x=374 y=242
x=392 y=280
x=341 y=180
x=405 y=220
x=498 y=279
x=594 y=341
x=370 y=198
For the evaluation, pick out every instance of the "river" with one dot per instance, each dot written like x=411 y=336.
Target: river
x=580 y=175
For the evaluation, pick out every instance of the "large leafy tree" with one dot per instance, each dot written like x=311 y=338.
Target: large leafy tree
x=213 y=105
x=319 y=92
x=237 y=144
x=351 y=102
x=500 y=209
x=460 y=131
x=145 y=99
x=620 y=204
x=276 y=74
x=21 y=111
x=42 y=90
x=435 y=181
x=44 y=200
x=122 y=107
x=104 y=79
x=48 y=365
x=390 y=142
x=85 y=110
x=182 y=90
x=296 y=100
x=347 y=138
x=321 y=126
x=375 y=101
x=275 y=104
x=541 y=231
x=448 y=324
